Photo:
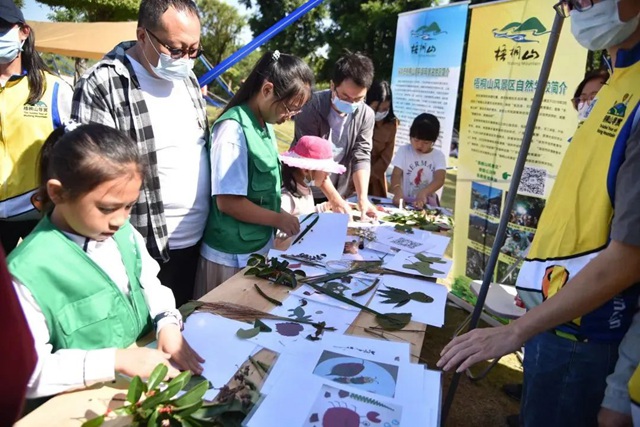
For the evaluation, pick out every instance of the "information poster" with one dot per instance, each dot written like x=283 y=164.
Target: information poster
x=507 y=44
x=426 y=68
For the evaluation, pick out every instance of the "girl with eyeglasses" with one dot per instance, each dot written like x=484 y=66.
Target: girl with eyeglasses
x=245 y=169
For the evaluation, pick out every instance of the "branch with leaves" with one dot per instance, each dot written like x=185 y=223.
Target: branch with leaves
x=273 y=270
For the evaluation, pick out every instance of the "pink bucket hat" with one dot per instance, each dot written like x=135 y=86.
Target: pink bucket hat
x=312 y=153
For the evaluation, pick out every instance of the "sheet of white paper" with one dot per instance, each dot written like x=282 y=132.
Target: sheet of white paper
x=294 y=307
x=298 y=385
x=414 y=242
x=214 y=338
x=401 y=259
x=326 y=237
x=431 y=313
x=347 y=288
x=433 y=393
x=373 y=349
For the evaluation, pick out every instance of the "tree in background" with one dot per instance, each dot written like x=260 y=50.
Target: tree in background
x=221 y=26
x=97 y=10
x=303 y=38
x=368 y=27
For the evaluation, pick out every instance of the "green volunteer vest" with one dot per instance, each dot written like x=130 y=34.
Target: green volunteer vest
x=83 y=307
x=225 y=233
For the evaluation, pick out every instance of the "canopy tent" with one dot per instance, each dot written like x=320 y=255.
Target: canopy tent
x=81 y=39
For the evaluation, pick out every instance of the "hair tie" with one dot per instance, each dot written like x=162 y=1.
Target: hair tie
x=70 y=125
x=275 y=55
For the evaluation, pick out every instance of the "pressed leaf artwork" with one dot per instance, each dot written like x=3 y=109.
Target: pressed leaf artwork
x=336 y=407
x=424 y=265
x=400 y=297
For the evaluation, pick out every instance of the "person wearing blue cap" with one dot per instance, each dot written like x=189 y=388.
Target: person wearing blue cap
x=33 y=102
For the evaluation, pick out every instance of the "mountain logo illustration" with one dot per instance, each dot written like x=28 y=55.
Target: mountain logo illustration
x=428 y=32
x=522 y=32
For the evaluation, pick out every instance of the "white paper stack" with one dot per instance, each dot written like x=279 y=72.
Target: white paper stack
x=347 y=381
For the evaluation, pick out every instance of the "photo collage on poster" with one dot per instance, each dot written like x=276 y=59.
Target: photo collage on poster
x=486 y=207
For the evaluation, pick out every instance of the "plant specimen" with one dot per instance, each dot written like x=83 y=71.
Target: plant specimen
x=154 y=403
x=400 y=297
x=428 y=220
x=424 y=265
x=273 y=270
x=308 y=228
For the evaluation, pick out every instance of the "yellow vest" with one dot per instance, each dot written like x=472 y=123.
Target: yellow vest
x=576 y=222
x=23 y=130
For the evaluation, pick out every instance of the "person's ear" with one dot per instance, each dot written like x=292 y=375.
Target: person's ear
x=267 y=89
x=55 y=191
x=25 y=30
x=141 y=34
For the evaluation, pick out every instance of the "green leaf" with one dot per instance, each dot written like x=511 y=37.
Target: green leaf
x=192 y=396
x=136 y=388
x=125 y=410
x=94 y=422
x=263 y=326
x=194 y=381
x=153 y=419
x=420 y=297
x=185 y=411
x=188 y=308
x=300 y=273
x=177 y=384
x=156 y=377
x=393 y=321
x=247 y=333
x=252 y=271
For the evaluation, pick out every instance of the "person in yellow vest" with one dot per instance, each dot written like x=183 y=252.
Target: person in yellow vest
x=33 y=102
x=579 y=281
x=245 y=169
x=101 y=293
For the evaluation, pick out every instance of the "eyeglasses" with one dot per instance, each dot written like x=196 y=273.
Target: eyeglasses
x=290 y=112
x=564 y=7
x=583 y=98
x=176 y=53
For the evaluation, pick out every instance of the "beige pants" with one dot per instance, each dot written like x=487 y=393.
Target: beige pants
x=210 y=275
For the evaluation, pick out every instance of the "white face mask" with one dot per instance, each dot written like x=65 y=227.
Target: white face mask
x=10 y=45
x=600 y=27
x=380 y=115
x=169 y=68
x=584 y=108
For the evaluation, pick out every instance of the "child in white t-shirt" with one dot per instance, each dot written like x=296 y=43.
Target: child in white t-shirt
x=418 y=168
x=304 y=166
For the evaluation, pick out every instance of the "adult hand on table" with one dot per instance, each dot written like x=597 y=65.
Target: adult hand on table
x=171 y=341
x=367 y=210
x=478 y=345
x=142 y=361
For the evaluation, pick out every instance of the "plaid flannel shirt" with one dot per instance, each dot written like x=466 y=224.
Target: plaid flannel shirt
x=109 y=93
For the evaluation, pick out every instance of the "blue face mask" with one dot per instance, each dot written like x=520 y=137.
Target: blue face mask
x=10 y=45
x=345 y=107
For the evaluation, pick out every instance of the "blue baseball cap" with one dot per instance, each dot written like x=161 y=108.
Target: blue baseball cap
x=10 y=13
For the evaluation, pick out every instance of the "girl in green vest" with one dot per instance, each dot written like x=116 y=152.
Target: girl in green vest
x=86 y=283
x=245 y=170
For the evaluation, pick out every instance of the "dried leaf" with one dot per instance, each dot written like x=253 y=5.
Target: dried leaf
x=188 y=308
x=393 y=321
x=420 y=297
x=265 y=296
x=247 y=333
x=252 y=271
x=263 y=326
x=367 y=289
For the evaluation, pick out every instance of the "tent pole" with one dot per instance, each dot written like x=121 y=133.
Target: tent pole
x=513 y=189
x=267 y=35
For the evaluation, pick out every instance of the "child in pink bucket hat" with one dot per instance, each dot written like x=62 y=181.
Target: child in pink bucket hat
x=305 y=165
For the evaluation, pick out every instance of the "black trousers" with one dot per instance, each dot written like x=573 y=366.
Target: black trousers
x=179 y=273
x=12 y=231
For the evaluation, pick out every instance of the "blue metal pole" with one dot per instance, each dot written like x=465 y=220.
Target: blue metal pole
x=257 y=42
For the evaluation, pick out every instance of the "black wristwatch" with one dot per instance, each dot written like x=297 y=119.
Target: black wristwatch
x=172 y=314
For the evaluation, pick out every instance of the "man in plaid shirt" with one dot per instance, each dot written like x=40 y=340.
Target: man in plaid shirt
x=146 y=89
